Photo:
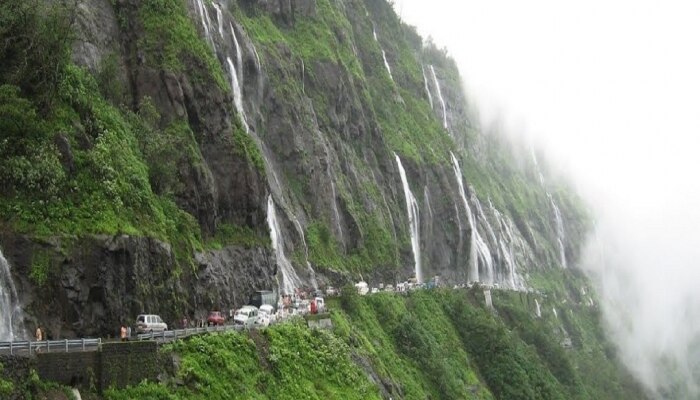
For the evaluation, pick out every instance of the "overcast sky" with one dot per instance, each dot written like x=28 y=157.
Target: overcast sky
x=610 y=89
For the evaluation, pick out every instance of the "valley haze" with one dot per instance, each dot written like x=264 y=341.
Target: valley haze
x=609 y=91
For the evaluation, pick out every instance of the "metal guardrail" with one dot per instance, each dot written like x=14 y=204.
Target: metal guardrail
x=75 y=345
x=166 y=336
x=49 y=346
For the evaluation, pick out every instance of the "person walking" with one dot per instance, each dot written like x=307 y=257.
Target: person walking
x=122 y=333
x=39 y=336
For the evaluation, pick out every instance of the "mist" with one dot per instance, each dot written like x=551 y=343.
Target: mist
x=609 y=91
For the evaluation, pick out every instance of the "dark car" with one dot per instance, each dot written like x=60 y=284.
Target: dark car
x=215 y=318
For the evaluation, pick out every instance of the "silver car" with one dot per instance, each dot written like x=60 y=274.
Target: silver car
x=146 y=323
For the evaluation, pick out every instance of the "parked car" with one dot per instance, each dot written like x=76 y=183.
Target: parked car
x=362 y=288
x=146 y=323
x=216 y=318
x=245 y=316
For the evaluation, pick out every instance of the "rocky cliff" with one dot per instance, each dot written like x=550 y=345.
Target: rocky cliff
x=141 y=172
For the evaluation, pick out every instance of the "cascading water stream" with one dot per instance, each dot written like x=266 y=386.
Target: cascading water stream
x=559 y=223
x=538 y=311
x=505 y=243
x=218 y=19
x=11 y=315
x=235 y=82
x=312 y=273
x=426 y=196
x=486 y=252
x=442 y=101
x=206 y=21
x=290 y=279
x=386 y=63
x=239 y=54
x=560 y=230
x=427 y=89
x=334 y=200
x=473 y=274
x=413 y=219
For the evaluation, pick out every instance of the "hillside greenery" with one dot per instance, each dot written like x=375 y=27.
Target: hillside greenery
x=77 y=161
x=439 y=344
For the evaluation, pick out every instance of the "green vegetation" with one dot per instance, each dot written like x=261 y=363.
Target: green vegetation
x=171 y=41
x=284 y=362
x=6 y=386
x=244 y=145
x=428 y=344
x=229 y=234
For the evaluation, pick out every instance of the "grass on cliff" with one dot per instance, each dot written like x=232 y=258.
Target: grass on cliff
x=428 y=344
x=284 y=362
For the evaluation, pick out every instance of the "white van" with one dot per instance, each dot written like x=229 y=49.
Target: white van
x=245 y=316
x=146 y=323
x=266 y=316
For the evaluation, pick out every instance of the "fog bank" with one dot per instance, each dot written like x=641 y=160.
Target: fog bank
x=610 y=91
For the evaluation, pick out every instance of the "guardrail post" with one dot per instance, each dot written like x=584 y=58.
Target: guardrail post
x=48 y=346
x=83 y=343
x=66 y=343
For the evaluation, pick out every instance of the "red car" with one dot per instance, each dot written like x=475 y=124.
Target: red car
x=215 y=318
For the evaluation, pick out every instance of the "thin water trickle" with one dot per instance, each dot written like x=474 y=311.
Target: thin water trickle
x=218 y=19
x=300 y=231
x=386 y=63
x=473 y=274
x=442 y=101
x=427 y=89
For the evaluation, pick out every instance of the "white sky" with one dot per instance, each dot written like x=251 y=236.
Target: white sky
x=610 y=89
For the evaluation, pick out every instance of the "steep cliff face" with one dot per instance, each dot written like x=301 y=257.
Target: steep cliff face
x=174 y=123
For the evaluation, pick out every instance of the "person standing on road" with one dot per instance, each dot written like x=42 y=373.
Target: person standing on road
x=122 y=333
x=38 y=334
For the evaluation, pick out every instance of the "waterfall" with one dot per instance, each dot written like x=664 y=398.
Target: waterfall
x=236 y=89
x=554 y=311
x=559 y=222
x=239 y=54
x=486 y=252
x=487 y=297
x=442 y=101
x=506 y=241
x=334 y=200
x=427 y=89
x=473 y=261
x=312 y=273
x=11 y=315
x=218 y=19
x=386 y=63
x=426 y=196
x=206 y=21
x=538 y=311
x=560 y=230
x=413 y=220
x=290 y=279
